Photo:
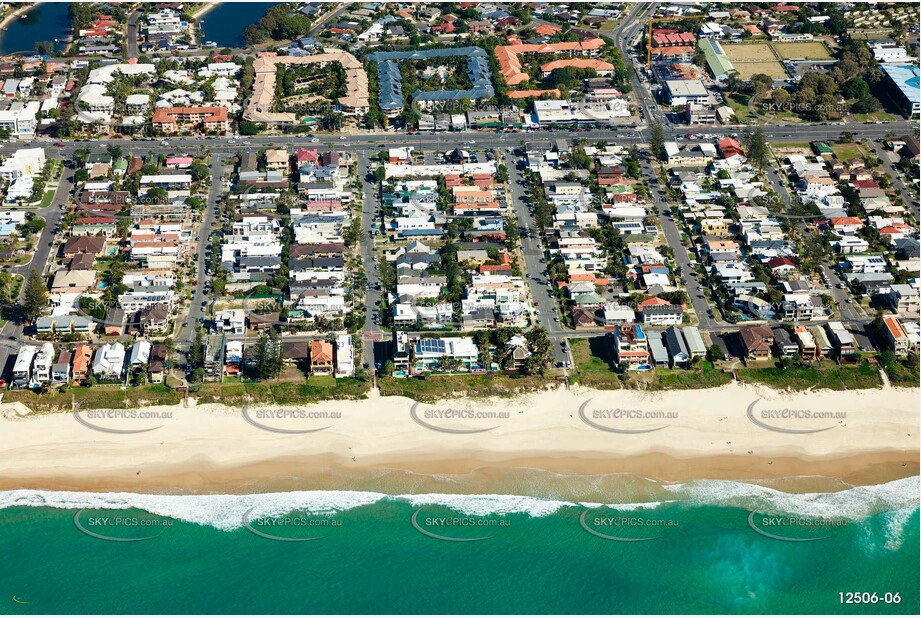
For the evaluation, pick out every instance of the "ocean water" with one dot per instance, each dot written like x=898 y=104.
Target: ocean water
x=699 y=547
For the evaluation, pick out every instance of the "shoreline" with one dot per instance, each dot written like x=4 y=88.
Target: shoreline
x=543 y=446
x=15 y=14
x=570 y=477
x=197 y=15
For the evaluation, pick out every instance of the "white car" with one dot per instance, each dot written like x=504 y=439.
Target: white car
x=342 y=137
x=315 y=140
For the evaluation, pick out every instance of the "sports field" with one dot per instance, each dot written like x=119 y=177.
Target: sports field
x=808 y=50
x=772 y=69
x=748 y=52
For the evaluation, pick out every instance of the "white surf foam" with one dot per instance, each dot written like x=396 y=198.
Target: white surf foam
x=489 y=504
x=855 y=503
x=896 y=521
x=226 y=512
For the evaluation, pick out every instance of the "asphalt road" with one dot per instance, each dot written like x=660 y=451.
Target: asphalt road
x=673 y=236
x=848 y=312
x=11 y=335
x=369 y=203
x=370 y=143
x=624 y=34
x=367 y=144
x=196 y=310
x=131 y=34
x=535 y=261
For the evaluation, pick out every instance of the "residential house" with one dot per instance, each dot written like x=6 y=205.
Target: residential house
x=321 y=358
x=109 y=361
x=82 y=362
x=757 y=341
x=630 y=346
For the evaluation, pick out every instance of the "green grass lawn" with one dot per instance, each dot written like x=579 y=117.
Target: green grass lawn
x=739 y=104
x=591 y=367
x=847 y=151
x=706 y=375
x=46 y=199
x=588 y=355
x=825 y=375
x=881 y=115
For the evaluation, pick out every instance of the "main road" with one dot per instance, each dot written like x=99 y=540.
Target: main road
x=372 y=142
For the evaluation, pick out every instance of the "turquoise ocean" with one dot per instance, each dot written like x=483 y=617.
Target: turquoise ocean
x=696 y=547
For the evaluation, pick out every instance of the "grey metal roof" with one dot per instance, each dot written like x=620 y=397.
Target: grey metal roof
x=390 y=94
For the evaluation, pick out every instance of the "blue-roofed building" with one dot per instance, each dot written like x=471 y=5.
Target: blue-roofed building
x=430 y=232
x=906 y=81
x=390 y=86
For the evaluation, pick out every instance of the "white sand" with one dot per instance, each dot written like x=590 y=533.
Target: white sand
x=380 y=431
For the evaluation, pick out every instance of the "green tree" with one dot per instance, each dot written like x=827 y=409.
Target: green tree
x=760 y=83
x=6 y=285
x=199 y=171
x=267 y=356
x=714 y=353
x=756 y=147
x=541 y=349
x=35 y=300
x=196 y=358
x=866 y=104
x=657 y=140
x=856 y=88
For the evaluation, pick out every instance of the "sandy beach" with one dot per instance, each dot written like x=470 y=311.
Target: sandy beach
x=204 y=10
x=562 y=440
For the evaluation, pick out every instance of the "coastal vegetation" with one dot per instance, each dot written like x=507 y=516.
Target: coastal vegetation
x=113 y=396
x=96 y=397
x=824 y=375
x=433 y=388
x=279 y=23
